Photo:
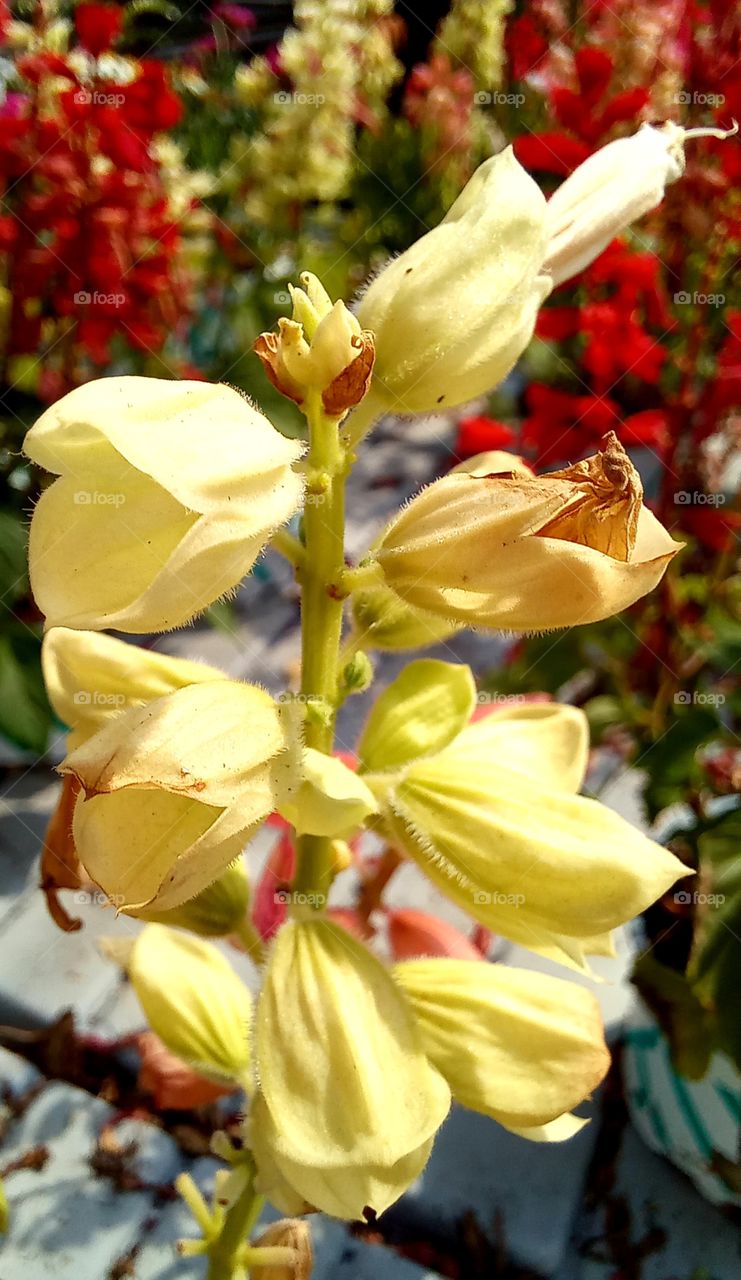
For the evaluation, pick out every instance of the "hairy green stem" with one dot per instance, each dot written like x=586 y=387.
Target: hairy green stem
x=321 y=614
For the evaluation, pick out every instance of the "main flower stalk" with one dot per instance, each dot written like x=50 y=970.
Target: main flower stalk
x=321 y=613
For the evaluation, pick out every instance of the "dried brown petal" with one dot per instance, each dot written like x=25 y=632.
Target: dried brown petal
x=60 y=866
x=604 y=511
x=349 y=387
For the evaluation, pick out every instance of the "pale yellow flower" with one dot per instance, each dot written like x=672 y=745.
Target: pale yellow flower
x=528 y=553
x=348 y=1103
x=521 y=1047
x=167 y=492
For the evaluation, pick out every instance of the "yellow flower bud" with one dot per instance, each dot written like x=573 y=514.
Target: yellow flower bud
x=174 y=790
x=529 y=553
x=322 y=349
x=290 y=1233
x=167 y=492
x=616 y=186
x=349 y=1103
x=420 y=712
x=493 y=822
x=519 y=1046
x=216 y=911
x=194 y=1001
x=452 y=314
x=321 y=795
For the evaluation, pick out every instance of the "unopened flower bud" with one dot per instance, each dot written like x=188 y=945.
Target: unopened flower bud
x=289 y=1233
x=616 y=186
x=388 y=623
x=452 y=314
x=357 y=674
x=321 y=349
x=194 y=1001
x=529 y=553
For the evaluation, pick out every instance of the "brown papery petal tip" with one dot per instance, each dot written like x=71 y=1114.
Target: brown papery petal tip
x=603 y=512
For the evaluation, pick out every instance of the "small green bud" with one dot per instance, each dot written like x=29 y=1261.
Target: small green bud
x=358 y=674
x=214 y=912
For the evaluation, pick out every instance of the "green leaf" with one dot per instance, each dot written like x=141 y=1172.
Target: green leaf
x=680 y=1014
x=716 y=966
x=25 y=714
x=418 y=714
x=13 y=571
x=671 y=762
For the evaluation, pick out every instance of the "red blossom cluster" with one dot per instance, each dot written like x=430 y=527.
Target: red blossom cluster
x=632 y=356
x=88 y=244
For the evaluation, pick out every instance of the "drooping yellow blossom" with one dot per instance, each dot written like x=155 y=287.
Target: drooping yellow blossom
x=348 y=1103
x=521 y=1047
x=494 y=821
x=167 y=492
x=90 y=677
x=194 y=1001
x=528 y=553
x=172 y=791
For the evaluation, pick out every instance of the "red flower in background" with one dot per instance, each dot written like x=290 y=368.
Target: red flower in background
x=97 y=26
x=479 y=433
x=87 y=228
